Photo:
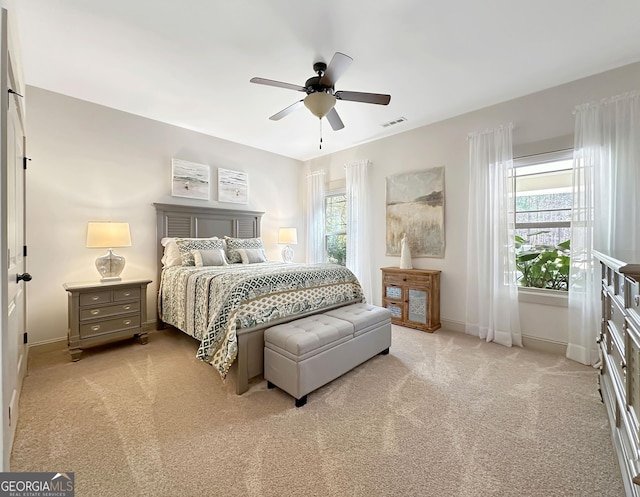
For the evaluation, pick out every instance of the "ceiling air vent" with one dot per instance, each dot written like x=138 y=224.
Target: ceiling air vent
x=395 y=121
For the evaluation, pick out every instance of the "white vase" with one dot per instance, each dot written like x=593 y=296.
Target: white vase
x=405 y=254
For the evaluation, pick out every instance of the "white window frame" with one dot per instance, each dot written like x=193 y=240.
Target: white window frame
x=328 y=194
x=541 y=295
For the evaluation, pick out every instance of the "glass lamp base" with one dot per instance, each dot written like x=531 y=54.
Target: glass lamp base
x=110 y=266
x=287 y=254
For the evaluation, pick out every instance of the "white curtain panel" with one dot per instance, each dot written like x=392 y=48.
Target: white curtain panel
x=606 y=209
x=492 y=292
x=315 y=217
x=359 y=224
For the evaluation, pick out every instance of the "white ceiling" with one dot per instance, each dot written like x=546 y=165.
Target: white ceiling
x=188 y=63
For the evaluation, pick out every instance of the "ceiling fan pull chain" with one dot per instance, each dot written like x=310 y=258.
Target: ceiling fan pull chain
x=320 y=133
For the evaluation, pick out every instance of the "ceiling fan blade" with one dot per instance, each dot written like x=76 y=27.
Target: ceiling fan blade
x=336 y=68
x=287 y=110
x=279 y=84
x=334 y=120
x=367 y=98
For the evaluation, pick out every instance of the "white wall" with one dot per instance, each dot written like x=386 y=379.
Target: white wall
x=91 y=162
x=542 y=121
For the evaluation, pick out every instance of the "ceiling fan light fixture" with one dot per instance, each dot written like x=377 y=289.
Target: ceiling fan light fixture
x=319 y=103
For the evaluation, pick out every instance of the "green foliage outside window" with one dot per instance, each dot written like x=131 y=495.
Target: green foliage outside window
x=336 y=228
x=542 y=266
x=337 y=249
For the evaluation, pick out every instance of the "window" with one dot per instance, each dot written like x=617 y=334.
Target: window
x=335 y=215
x=542 y=209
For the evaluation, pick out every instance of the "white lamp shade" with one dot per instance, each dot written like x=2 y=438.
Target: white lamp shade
x=108 y=235
x=319 y=103
x=288 y=236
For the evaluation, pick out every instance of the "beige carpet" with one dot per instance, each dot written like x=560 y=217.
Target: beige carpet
x=444 y=414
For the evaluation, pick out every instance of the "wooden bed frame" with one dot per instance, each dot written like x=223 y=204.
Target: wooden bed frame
x=202 y=222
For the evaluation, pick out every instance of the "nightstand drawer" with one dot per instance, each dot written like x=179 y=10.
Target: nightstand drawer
x=126 y=294
x=110 y=310
x=95 y=298
x=109 y=325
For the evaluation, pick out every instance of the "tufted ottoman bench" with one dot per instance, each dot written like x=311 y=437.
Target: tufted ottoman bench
x=302 y=355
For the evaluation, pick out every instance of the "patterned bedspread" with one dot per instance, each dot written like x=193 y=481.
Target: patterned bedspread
x=211 y=303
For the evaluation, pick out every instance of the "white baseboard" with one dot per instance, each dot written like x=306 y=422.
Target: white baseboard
x=529 y=342
x=452 y=325
x=544 y=345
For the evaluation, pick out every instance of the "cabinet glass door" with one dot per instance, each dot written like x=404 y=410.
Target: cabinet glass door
x=418 y=306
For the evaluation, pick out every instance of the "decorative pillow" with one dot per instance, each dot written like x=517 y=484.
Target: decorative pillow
x=171 y=256
x=186 y=245
x=234 y=244
x=251 y=256
x=214 y=257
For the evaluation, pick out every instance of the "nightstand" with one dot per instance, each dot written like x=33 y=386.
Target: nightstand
x=104 y=312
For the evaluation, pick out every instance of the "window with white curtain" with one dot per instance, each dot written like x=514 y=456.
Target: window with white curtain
x=335 y=215
x=543 y=202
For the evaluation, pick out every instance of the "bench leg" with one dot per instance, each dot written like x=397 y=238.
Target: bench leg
x=270 y=385
x=301 y=401
x=384 y=352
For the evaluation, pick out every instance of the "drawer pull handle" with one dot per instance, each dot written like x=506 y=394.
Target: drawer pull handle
x=95 y=312
x=636 y=299
x=127 y=321
x=126 y=294
x=95 y=297
x=95 y=327
x=126 y=307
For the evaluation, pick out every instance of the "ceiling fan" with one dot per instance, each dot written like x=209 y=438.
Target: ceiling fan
x=321 y=95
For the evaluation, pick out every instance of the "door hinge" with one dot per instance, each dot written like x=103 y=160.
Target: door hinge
x=24 y=251
x=24 y=162
x=24 y=337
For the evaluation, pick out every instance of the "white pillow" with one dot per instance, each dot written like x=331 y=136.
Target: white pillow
x=171 y=256
x=214 y=257
x=252 y=256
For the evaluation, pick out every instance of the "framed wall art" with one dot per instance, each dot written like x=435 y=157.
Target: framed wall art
x=189 y=179
x=233 y=186
x=415 y=207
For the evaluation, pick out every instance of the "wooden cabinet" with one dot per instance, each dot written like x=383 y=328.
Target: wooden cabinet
x=412 y=296
x=104 y=312
x=619 y=379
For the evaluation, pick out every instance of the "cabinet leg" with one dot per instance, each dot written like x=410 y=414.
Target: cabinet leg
x=143 y=338
x=75 y=354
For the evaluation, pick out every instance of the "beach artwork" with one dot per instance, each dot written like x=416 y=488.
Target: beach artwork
x=233 y=186
x=415 y=208
x=189 y=179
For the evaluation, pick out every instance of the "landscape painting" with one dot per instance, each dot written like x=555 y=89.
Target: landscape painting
x=415 y=207
x=233 y=186
x=189 y=179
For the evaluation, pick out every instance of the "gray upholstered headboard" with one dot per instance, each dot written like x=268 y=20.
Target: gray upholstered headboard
x=202 y=222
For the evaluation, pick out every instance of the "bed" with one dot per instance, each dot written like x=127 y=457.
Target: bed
x=227 y=307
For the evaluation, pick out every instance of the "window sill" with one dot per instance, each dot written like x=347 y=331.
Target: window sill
x=542 y=296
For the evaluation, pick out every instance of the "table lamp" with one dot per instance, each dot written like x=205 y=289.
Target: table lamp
x=288 y=236
x=109 y=235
